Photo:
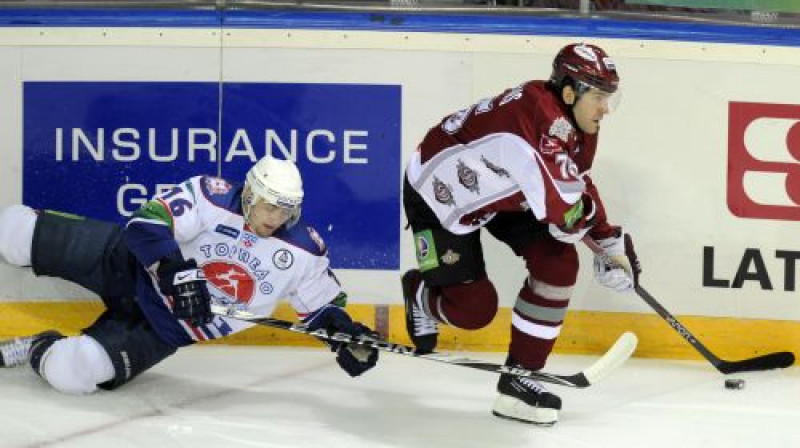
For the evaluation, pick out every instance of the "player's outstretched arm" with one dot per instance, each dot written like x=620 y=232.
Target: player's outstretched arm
x=353 y=359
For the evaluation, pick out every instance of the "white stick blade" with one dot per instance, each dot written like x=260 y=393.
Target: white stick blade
x=613 y=358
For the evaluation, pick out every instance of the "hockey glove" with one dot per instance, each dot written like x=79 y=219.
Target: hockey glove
x=186 y=283
x=618 y=266
x=352 y=358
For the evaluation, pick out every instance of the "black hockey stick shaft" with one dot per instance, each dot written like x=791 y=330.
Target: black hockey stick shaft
x=765 y=362
x=615 y=356
x=769 y=361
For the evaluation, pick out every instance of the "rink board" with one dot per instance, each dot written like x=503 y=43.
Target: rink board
x=585 y=332
x=700 y=162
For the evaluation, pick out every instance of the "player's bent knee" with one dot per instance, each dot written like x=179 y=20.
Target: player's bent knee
x=16 y=234
x=552 y=262
x=474 y=304
x=76 y=365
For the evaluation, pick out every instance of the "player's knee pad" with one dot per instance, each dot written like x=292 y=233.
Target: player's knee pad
x=16 y=234
x=76 y=365
x=470 y=305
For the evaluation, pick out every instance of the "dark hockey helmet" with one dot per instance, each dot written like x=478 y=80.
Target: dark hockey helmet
x=585 y=64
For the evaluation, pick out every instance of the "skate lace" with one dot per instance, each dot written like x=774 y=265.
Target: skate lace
x=16 y=351
x=533 y=385
x=422 y=323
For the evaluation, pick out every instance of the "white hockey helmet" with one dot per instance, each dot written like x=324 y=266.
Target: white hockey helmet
x=277 y=182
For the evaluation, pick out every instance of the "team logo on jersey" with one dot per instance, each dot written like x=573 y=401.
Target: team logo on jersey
x=227 y=231
x=467 y=177
x=561 y=128
x=549 y=145
x=494 y=168
x=266 y=288
x=249 y=240
x=231 y=279
x=215 y=185
x=450 y=257
x=443 y=192
x=317 y=239
x=455 y=122
x=283 y=259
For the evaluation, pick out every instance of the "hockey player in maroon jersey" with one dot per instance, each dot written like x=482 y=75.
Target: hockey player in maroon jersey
x=516 y=164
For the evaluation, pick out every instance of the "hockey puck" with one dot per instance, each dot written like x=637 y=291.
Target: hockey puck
x=734 y=384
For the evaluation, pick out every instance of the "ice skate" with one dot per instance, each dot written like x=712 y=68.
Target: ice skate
x=17 y=351
x=421 y=328
x=526 y=400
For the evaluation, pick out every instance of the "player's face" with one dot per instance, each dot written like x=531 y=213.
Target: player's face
x=590 y=109
x=266 y=218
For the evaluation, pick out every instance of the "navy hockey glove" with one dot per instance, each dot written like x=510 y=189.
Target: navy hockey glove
x=186 y=283
x=352 y=358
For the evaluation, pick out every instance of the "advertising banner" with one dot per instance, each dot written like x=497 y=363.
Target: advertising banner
x=101 y=149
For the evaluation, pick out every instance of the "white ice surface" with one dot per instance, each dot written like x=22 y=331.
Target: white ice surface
x=297 y=397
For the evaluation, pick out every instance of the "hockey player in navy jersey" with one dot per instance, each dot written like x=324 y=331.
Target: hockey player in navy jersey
x=516 y=164
x=204 y=240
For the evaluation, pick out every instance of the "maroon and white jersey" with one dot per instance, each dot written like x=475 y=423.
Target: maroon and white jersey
x=514 y=152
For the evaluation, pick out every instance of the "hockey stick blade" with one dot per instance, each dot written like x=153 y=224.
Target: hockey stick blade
x=612 y=359
x=777 y=360
x=622 y=349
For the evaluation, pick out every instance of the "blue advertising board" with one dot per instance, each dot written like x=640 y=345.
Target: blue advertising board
x=101 y=149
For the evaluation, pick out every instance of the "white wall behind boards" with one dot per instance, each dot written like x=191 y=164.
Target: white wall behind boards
x=662 y=166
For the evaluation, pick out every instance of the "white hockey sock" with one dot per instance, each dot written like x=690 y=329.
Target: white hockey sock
x=16 y=234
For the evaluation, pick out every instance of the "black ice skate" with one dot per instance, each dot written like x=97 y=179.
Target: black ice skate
x=16 y=352
x=526 y=400
x=421 y=327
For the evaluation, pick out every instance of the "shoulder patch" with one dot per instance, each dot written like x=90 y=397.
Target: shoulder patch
x=561 y=128
x=216 y=185
x=221 y=193
x=305 y=237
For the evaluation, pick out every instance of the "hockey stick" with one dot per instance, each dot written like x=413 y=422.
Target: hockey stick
x=776 y=360
x=621 y=350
